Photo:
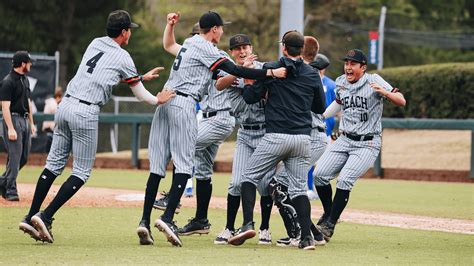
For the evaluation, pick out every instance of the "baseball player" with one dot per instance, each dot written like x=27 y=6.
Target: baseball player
x=215 y=126
x=319 y=143
x=252 y=128
x=103 y=65
x=359 y=96
x=287 y=138
x=174 y=127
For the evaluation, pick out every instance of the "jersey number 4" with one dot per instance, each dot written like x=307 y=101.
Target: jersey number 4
x=93 y=61
x=178 y=59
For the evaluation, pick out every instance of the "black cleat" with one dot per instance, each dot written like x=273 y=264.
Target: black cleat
x=322 y=219
x=195 y=226
x=162 y=203
x=317 y=236
x=247 y=231
x=287 y=242
x=307 y=243
x=12 y=197
x=43 y=226
x=170 y=230
x=327 y=229
x=144 y=233
x=27 y=227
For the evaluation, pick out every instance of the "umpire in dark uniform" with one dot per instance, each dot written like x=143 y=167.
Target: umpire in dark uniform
x=15 y=96
x=287 y=137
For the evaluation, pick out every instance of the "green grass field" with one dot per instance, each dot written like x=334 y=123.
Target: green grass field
x=107 y=236
x=436 y=199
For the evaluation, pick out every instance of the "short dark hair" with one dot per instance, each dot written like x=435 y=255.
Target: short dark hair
x=293 y=51
x=114 y=33
x=205 y=30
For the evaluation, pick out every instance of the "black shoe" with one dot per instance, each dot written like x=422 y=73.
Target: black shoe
x=307 y=243
x=162 y=203
x=12 y=197
x=245 y=232
x=3 y=191
x=195 y=226
x=43 y=226
x=27 y=227
x=170 y=230
x=322 y=219
x=327 y=228
x=144 y=233
x=317 y=236
x=287 y=242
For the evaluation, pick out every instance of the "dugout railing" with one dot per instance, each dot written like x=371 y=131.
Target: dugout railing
x=136 y=120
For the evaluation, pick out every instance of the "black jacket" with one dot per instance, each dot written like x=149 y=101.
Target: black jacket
x=290 y=100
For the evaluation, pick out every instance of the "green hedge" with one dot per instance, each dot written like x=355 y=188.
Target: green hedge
x=433 y=91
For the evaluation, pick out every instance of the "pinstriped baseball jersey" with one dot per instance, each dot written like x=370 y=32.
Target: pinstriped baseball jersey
x=216 y=100
x=103 y=65
x=191 y=73
x=245 y=113
x=362 y=106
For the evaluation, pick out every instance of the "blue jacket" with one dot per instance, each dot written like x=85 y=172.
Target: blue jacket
x=290 y=100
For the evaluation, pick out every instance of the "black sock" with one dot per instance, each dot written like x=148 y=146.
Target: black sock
x=340 y=201
x=233 y=204
x=67 y=190
x=176 y=191
x=266 y=204
x=203 y=197
x=45 y=180
x=303 y=209
x=325 y=194
x=248 y=195
x=151 y=190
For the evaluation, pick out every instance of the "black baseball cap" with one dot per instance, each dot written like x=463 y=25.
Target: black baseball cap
x=238 y=40
x=321 y=62
x=196 y=29
x=211 y=19
x=119 y=20
x=356 y=55
x=21 y=57
x=293 y=38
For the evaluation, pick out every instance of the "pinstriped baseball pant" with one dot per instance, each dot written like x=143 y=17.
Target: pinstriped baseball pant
x=351 y=159
x=76 y=131
x=173 y=135
x=247 y=142
x=212 y=132
x=293 y=150
x=319 y=142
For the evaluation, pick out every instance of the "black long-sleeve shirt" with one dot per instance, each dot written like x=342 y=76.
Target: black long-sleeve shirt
x=290 y=100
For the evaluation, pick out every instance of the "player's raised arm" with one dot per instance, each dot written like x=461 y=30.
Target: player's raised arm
x=248 y=73
x=143 y=94
x=394 y=96
x=169 y=41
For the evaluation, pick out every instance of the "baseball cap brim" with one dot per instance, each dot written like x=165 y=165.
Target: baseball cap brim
x=134 y=25
x=227 y=22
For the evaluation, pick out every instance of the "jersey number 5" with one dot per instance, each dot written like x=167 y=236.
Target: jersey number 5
x=178 y=59
x=93 y=61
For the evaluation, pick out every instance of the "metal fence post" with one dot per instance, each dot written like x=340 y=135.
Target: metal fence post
x=472 y=153
x=135 y=143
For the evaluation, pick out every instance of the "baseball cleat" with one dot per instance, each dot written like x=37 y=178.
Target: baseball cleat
x=327 y=229
x=307 y=243
x=43 y=226
x=247 y=231
x=195 y=226
x=144 y=233
x=223 y=237
x=170 y=230
x=264 y=237
x=317 y=236
x=287 y=242
x=162 y=203
x=27 y=227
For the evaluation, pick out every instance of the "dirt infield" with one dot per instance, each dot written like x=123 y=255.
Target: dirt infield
x=102 y=197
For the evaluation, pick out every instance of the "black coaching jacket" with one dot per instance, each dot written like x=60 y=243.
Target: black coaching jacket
x=290 y=100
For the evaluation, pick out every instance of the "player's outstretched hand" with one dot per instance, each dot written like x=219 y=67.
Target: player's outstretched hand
x=165 y=95
x=379 y=89
x=248 y=62
x=153 y=74
x=279 y=73
x=173 y=18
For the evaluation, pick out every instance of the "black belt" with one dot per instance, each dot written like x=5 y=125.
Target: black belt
x=181 y=94
x=25 y=115
x=253 y=127
x=81 y=101
x=358 y=137
x=320 y=129
x=211 y=114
